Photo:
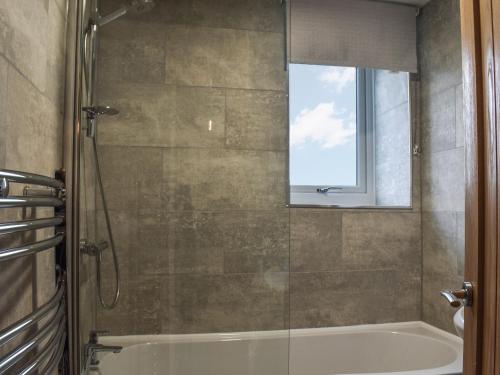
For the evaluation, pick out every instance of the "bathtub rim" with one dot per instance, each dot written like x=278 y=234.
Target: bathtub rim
x=412 y=327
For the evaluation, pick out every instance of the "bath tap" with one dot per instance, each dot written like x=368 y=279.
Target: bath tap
x=93 y=347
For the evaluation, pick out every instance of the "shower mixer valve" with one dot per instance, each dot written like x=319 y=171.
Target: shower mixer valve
x=91 y=248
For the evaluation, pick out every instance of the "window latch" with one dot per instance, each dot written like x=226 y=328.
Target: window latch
x=327 y=189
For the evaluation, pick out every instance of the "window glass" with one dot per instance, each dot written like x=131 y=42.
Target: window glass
x=323 y=126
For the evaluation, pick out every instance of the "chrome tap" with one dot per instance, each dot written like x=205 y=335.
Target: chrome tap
x=93 y=347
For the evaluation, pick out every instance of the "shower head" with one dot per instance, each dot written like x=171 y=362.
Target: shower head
x=134 y=6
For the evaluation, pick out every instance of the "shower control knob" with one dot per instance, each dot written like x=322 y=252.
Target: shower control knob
x=457 y=298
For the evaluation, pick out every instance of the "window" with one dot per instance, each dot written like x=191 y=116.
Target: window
x=341 y=135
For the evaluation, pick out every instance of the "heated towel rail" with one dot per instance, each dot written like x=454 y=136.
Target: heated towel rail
x=35 y=343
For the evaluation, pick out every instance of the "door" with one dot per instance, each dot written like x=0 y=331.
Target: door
x=481 y=46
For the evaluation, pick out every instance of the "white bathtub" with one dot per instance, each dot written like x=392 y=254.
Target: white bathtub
x=398 y=349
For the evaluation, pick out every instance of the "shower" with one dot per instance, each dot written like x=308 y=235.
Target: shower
x=135 y=6
x=93 y=112
x=96 y=250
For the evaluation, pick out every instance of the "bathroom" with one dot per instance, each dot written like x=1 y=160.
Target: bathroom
x=262 y=187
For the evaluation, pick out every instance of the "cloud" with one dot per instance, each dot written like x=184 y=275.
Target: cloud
x=323 y=126
x=338 y=77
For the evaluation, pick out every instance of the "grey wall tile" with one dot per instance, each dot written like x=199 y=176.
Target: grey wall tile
x=315 y=240
x=257 y=120
x=131 y=52
x=439 y=42
x=220 y=303
x=438 y=121
x=42 y=141
x=440 y=246
x=350 y=298
x=228 y=242
x=204 y=179
x=141 y=243
x=224 y=58
x=381 y=240
x=166 y=116
x=31 y=133
x=131 y=177
x=443 y=197
x=443 y=181
x=260 y=15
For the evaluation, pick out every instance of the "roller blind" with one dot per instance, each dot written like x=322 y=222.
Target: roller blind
x=360 y=33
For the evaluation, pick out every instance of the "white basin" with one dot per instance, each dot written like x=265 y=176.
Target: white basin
x=458 y=321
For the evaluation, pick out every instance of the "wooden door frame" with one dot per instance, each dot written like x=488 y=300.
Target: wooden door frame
x=481 y=105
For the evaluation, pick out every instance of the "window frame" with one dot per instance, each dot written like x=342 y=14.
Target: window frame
x=363 y=194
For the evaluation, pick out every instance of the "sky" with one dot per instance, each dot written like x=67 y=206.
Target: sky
x=322 y=125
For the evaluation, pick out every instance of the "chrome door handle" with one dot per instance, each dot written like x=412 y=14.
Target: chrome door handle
x=463 y=296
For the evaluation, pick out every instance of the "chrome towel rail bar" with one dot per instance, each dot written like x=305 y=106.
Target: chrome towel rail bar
x=49 y=329
x=21 y=226
x=22 y=325
x=30 y=178
x=30 y=202
x=51 y=350
x=42 y=333
x=31 y=248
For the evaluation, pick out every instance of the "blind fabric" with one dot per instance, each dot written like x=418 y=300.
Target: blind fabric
x=358 y=33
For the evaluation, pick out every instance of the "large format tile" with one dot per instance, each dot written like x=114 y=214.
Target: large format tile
x=203 y=179
x=3 y=107
x=161 y=115
x=256 y=120
x=131 y=52
x=228 y=242
x=381 y=240
x=315 y=240
x=131 y=177
x=35 y=146
x=221 y=303
x=440 y=243
x=323 y=299
x=261 y=15
x=22 y=31
x=224 y=58
x=138 y=309
x=141 y=243
x=438 y=125
x=443 y=181
x=439 y=45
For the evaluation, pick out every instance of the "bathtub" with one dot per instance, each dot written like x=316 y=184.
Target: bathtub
x=399 y=349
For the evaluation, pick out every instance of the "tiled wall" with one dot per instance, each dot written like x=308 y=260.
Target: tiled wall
x=194 y=166
x=32 y=49
x=443 y=183
x=204 y=237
